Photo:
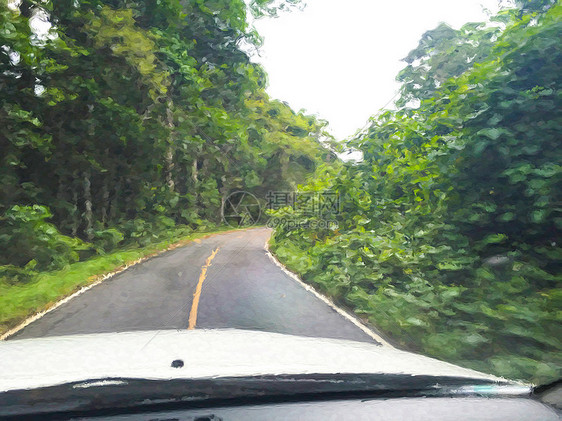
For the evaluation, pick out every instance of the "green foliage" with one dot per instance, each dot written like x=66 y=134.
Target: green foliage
x=443 y=53
x=29 y=241
x=129 y=118
x=449 y=231
x=106 y=240
x=261 y=8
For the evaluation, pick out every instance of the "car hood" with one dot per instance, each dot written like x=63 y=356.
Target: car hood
x=50 y=361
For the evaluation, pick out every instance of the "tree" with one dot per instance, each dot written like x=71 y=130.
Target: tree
x=448 y=230
x=128 y=118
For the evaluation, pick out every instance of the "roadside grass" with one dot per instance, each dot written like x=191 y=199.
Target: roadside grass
x=22 y=300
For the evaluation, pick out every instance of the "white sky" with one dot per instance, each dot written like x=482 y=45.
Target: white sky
x=338 y=59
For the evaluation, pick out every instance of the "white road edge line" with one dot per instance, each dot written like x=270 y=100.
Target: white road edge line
x=82 y=290
x=100 y=279
x=325 y=299
x=292 y=275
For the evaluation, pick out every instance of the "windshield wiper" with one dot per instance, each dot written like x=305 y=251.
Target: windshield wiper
x=126 y=393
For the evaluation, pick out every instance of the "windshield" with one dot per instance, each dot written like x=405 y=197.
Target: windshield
x=351 y=174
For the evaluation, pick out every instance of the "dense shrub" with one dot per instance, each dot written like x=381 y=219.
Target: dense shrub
x=28 y=240
x=106 y=240
x=449 y=230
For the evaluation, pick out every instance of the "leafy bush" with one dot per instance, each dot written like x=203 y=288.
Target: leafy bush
x=27 y=240
x=143 y=232
x=139 y=231
x=11 y=275
x=106 y=240
x=449 y=228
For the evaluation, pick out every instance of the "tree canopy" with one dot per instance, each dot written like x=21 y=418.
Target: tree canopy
x=122 y=119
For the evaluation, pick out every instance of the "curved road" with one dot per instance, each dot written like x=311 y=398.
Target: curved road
x=223 y=281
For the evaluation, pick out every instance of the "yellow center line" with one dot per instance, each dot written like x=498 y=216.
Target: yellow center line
x=197 y=293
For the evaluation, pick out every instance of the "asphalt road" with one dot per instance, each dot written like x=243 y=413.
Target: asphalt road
x=223 y=281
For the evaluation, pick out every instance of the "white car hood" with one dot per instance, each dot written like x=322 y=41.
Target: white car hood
x=32 y=363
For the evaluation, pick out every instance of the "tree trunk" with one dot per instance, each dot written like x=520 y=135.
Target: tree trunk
x=169 y=168
x=74 y=216
x=61 y=214
x=223 y=200
x=114 y=204
x=170 y=151
x=194 y=171
x=104 y=202
x=88 y=216
x=195 y=178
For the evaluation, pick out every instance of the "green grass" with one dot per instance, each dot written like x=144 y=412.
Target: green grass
x=20 y=301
